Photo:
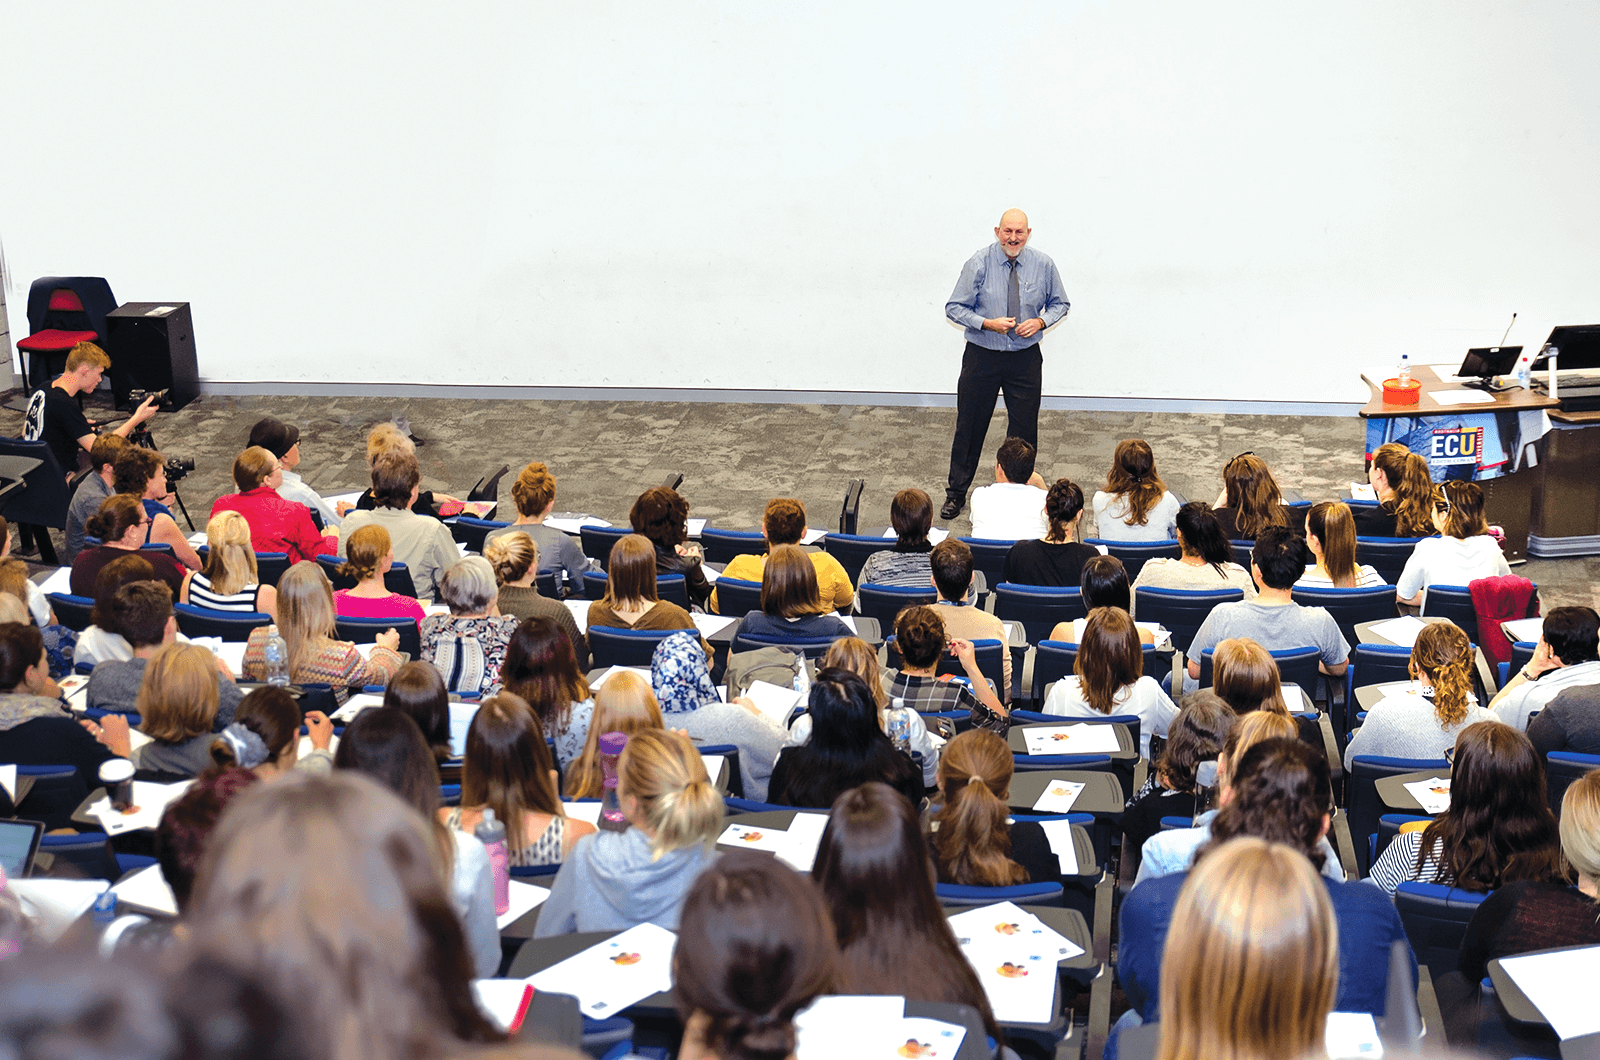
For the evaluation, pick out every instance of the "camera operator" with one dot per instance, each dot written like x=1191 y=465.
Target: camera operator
x=141 y=473
x=54 y=417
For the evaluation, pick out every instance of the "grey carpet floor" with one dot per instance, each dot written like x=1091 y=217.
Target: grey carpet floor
x=736 y=456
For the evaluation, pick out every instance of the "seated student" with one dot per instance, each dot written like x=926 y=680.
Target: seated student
x=351 y=849
x=53 y=415
x=972 y=841
x=1464 y=552
x=101 y=641
x=1105 y=584
x=368 y=556
x=387 y=439
x=178 y=707
x=120 y=525
x=1251 y=962
x=422 y=543
x=905 y=564
x=92 y=491
x=630 y=601
x=1567 y=656
x=784 y=523
x=142 y=613
x=920 y=635
x=1057 y=557
x=623 y=704
x=1013 y=507
x=1534 y=914
x=1207 y=560
x=1108 y=678
x=282 y=440
x=230 y=580
x=1281 y=793
x=541 y=668
x=1404 y=487
x=35 y=726
x=861 y=659
x=872 y=868
x=1331 y=537
x=1250 y=500
x=791 y=606
x=387 y=746
x=681 y=679
x=952 y=575
x=417 y=691
x=755 y=946
x=615 y=880
x=469 y=644
x=1498 y=829
x=1424 y=720
x=1174 y=786
x=515 y=559
x=1135 y=505
x=847 y=748
x=507 y=769
x=60 y=642
x=1245 y=676
x=1173 y=850
x=141 y=472
x=276 y=525
x=534 y=493
x=1273 y=619
x=306 y=621
x=1569 y=722
x=661 y=516
x=264 y=736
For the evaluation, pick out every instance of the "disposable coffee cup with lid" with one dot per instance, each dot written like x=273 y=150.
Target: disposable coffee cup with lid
x=117 y=776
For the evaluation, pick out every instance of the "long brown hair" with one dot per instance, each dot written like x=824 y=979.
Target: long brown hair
x=623 y=704
x=872 y=865
x=1499 y=828
x=631 y=573
x=507 y=766
x=387 y=745
x=1247 y=678
x=1252 y=958
x=1443 y=652
x=969 y=839
x=1133 y=476
x=1196 y=736
x=1335 y=530
x=1281 y=792
x=305 y=612
x=1466 y=509
x=331 y=889
x=542 y=667
x=1110 y=657
x=1252 y=495
x=789 y=584
x=1412 y=483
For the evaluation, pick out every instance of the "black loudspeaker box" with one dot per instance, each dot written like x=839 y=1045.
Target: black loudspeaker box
x=151 y=346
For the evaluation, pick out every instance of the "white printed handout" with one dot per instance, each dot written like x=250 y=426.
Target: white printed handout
x=1402 y=631
x=1080 y=739
x=775 y=701
x=355 y=705
x=873 y=1028
x=1524 y=630
x=1352 y=1036
x=1059 y=835
x=1059 y=795
x=1433 y=793
x=580 y=613
x=149 y=803
x=746 y=837
x=1561 y=987
x=572 y=522
x=710 y=625
x=1015 y=956
x=805 y=834
x=147 y=890
x=608 y=977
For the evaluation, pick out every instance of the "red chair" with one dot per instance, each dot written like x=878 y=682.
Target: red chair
x=62 y=312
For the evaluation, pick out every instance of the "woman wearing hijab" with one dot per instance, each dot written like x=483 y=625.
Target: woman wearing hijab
x=689 y=702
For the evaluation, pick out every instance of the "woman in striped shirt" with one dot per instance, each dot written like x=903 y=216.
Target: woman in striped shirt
x=229 y=581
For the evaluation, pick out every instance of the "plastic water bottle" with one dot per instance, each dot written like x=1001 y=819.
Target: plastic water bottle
x=104 y=910
x=1404 y=377
x=492 y=834
x=275 y=657
x=900 y=726
x=612 y=819
x=802 y=682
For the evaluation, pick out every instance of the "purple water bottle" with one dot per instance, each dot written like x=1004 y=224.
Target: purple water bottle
x=612 y=819
x=492 y=834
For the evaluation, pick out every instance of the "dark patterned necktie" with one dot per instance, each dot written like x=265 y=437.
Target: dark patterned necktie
x=1013 y=292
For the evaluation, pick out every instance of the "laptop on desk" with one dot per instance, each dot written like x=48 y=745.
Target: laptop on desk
x=19 y=844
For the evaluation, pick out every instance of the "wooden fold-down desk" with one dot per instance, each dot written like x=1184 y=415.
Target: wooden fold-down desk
x=1509 y=499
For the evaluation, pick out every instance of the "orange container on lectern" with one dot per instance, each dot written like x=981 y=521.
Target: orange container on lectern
x=1397 y=393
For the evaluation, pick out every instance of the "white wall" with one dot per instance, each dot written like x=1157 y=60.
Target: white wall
x=1247 y=200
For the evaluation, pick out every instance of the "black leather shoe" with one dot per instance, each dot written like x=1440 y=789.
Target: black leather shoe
x=951 y=509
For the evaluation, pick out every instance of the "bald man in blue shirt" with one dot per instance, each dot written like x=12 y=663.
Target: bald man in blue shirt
x=1006 y=296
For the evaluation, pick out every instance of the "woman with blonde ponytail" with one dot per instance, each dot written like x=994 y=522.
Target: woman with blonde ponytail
x=615 y=880
x=968 y=835
x=1423 y=720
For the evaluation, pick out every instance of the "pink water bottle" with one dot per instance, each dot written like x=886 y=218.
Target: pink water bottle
x=612 y=819
x=492 y=834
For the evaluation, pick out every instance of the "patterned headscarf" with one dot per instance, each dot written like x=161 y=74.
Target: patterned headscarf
x=679 y=675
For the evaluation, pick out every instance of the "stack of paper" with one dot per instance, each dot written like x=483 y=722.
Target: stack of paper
x=1015 y=956
x=305 y=746
x=1080 y=739
x=609 y=977
x=873 y=1026
x=149 y=800
x=1433 y=793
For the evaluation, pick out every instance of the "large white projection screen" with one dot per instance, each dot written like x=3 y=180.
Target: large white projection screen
x=1247 y=200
